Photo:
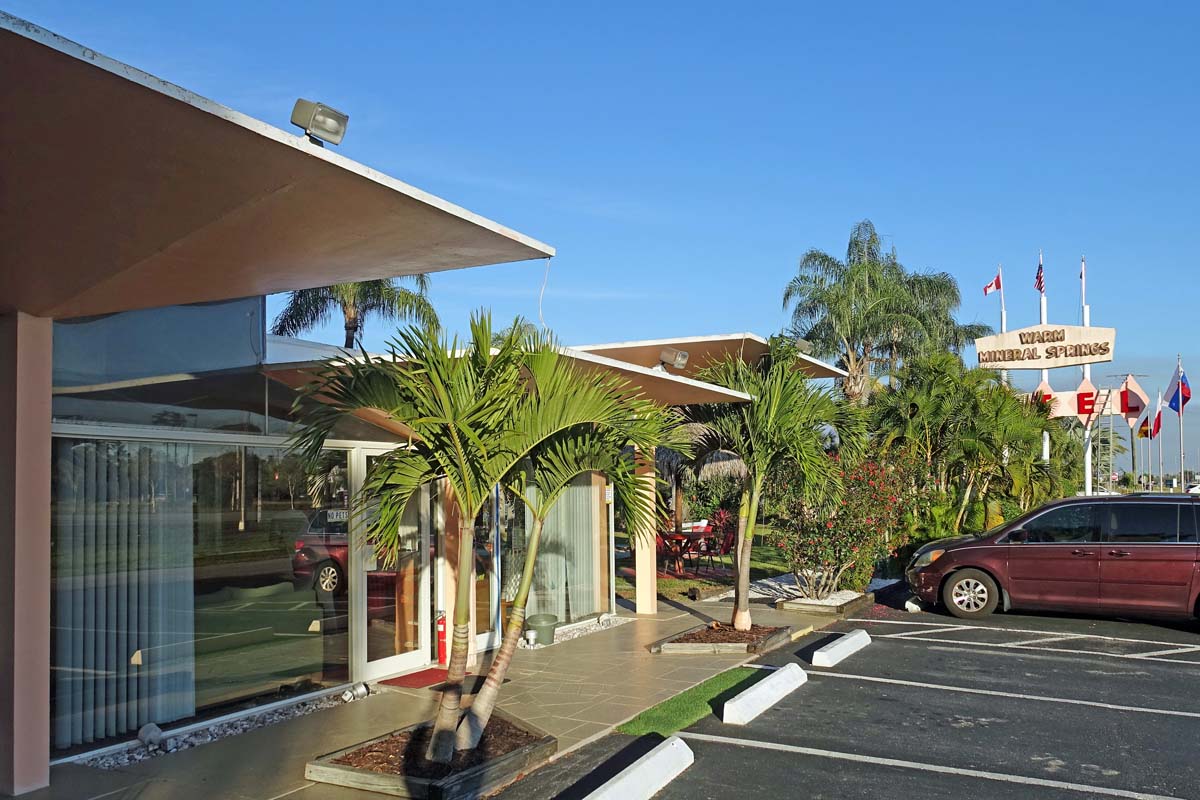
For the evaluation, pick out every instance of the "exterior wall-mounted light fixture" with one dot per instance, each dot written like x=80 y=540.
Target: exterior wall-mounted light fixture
x=319 y=122
x=671 y=357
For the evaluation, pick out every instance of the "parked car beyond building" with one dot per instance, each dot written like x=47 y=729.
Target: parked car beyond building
x=1133 y=554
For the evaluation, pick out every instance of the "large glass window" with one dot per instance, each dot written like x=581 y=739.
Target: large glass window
x=568 y=577
x=190 y=576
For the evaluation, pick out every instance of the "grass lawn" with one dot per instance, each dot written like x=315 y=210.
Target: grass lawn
x=693 y=705
x=766 y=560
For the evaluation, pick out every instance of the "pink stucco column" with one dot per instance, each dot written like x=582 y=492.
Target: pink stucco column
x=25 y=355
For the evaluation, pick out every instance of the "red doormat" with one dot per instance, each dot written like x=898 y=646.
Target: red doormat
x=434 y=676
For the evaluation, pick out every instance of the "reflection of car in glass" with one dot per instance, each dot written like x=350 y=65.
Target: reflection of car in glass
x=321 y=552
x=1135 y=554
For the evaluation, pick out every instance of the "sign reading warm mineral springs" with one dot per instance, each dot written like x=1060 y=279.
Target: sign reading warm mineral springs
x=1046 y=347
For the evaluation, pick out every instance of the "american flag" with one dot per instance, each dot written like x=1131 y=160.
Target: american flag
x=1039 y=282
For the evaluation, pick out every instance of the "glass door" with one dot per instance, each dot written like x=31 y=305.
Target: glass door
x=391 y=624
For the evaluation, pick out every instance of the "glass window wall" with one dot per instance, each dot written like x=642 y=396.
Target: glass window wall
x=190 y=576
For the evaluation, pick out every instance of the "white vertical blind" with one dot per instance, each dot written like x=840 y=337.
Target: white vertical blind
x=122 y=588
x=566 y=572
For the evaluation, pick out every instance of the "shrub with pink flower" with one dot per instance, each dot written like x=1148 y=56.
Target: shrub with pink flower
x=837 y=546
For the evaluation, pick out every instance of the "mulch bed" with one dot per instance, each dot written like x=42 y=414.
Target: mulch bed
x=718 y=633
x=404 y=753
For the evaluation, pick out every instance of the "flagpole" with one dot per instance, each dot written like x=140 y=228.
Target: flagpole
x=1179 y=389
x=1045 y=372
x=1003 y=315
x=1087 y=376
x=1162 y=483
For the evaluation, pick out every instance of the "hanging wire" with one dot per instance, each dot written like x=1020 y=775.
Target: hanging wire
x=542 y=293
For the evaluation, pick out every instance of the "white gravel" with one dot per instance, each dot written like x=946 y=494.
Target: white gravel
x=173 y=744
x=783 y=587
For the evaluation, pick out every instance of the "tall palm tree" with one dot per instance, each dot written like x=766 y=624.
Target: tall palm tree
x=790 y=421
x=870 y=313
x=542 y=479
x=850 y=309
x=476 y=413
x=387 y=298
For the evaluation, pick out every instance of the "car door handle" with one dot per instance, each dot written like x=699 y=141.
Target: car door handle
x=1119 y=553
x=1079 y=553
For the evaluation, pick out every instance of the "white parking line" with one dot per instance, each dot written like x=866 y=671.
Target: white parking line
x=934 y=768
x=1167 y=712
x=1044 y=639
x=1026 y=647
x=1175 y=651
x=1017 y=630
x=922 y=632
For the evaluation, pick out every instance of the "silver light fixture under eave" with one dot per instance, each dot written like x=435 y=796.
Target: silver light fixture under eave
x=319 y=122
x=672 y=357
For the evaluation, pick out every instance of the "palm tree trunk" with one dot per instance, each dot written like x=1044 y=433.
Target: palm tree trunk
x=476 y=719
x=966 y=499
x=738 y=591
x=351 y=334
x=441 y=743
x=741 y=607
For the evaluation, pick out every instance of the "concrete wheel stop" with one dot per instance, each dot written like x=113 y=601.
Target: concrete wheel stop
x=477 y=781
x=647 y=776
x=841 y=648
x=753 y=701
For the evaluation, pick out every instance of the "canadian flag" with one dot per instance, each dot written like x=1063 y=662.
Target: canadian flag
x=993 y=286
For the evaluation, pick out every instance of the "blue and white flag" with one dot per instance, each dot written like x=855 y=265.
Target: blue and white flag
x=1179 y=392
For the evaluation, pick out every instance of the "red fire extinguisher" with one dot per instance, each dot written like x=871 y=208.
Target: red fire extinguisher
x=441 y=638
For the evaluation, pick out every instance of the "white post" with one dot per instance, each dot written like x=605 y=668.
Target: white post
x=1179 y=389
x=1045 y=372
x=1003 y=316
x=1087 y=376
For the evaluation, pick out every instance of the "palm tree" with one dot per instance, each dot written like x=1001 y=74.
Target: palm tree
x=476 y=413
x=540 y=481
x=850 y=309
x=386 y=298
x=790 y=422
x=870 y=313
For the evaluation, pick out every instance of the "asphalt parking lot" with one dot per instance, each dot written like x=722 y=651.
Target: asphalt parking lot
x=1018 y=706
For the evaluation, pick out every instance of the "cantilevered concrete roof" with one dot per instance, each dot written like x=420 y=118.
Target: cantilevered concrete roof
x=123 y=191
x=703 y=351
x=290 y=360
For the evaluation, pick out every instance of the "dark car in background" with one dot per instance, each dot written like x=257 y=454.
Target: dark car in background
x=1131 y=555
x=321 y=552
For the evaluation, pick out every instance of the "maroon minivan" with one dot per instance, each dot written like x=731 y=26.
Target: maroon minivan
x=1121 y=555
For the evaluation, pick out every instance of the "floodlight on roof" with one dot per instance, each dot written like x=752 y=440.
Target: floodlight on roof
x=320 y=122
x=672 y=357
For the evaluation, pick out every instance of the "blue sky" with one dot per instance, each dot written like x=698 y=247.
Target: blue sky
x=681 y=156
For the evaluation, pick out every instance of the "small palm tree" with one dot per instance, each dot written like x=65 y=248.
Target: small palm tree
x=540 y=482
x=387 y=298
x=476 y=414
x=790 y=422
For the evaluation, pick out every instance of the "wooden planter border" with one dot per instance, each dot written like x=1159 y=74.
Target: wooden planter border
x=473 y=782
x=669 y=646
x=852 y=606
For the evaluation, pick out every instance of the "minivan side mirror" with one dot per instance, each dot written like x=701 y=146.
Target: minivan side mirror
x=1018 y=536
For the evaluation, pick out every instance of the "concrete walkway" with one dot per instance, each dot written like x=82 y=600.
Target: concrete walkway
x=577 y=690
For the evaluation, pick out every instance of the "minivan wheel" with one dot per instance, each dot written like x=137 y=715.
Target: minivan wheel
x=970 y=594
x=328 y=580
